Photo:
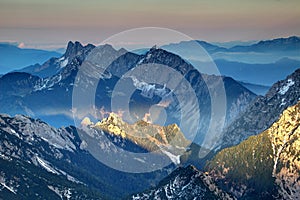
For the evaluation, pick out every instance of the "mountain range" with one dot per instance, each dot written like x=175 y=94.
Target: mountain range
x=154 y=147
x=264 y=166
x=272 y=50
x=185 y=183
x=55 y=163
x=275 y=59
x=36 y=100
x=263 y=111
x=52 y=162
x=13 y=57
x=278 y=57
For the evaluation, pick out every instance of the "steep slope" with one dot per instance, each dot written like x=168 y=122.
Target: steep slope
x=54 y=65
x=17 y=84
x=263 y=112
x=149 y=136
x=263 y=166
x=39 y=100
x=89 y=65
x=184 y=183
x=142 y=137
x=21 y=180
x=50 y=161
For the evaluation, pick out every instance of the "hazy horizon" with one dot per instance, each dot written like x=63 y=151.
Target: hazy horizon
x=51 y=24
x=62 y=46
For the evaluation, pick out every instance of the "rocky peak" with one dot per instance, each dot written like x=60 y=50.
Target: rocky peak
x=149 y=136
x=99 y=59
x=163 y=57
x=77 y=49
x=73 y=48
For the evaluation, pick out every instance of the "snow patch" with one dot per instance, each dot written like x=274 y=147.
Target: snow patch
x=69 y=177
x=148 y=90
x=61 y=59
x=175 y=159
x=61 y=193
x=286 y=87
x=7 y=187
x=282 y=102
x=64 y=63
x=148 y=56
x=140 y=62
x=13 y=131
x=46 y=166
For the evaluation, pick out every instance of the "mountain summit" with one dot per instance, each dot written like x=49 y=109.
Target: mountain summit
x=168 y=140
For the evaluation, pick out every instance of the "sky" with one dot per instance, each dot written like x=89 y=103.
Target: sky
x=52 y=23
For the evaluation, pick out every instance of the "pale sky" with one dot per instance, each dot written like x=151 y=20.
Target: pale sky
x=41 y=23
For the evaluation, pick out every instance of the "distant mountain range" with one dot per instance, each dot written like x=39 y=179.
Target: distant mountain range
x=273 y=59
x=234 y=43
x=13 y=57
x=260 y=74
x=254 y=156
x=276 y=45
x=284 y=46
x=38 y=98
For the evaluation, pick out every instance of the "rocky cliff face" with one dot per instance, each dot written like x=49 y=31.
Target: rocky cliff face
x=96 y=70
x=150 y=136
x=285 y=141
x=263 y=111
x=40 y=161
x=185 y=183
x=266 y=165
x=141 y=136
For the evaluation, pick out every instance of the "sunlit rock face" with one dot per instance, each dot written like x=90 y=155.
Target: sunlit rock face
x=150 y=136
x=265 y=165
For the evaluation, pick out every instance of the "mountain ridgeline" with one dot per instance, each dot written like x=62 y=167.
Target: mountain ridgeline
x=185 y=183
x=40 y=161
x=149 y=148
x=264 y=166
x=104 y=65
x=263 y=111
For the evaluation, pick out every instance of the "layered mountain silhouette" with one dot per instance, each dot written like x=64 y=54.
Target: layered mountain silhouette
x=51 y=98
x=273 y=59
x=146 y=151
x=13 y=57
x=54 y=65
